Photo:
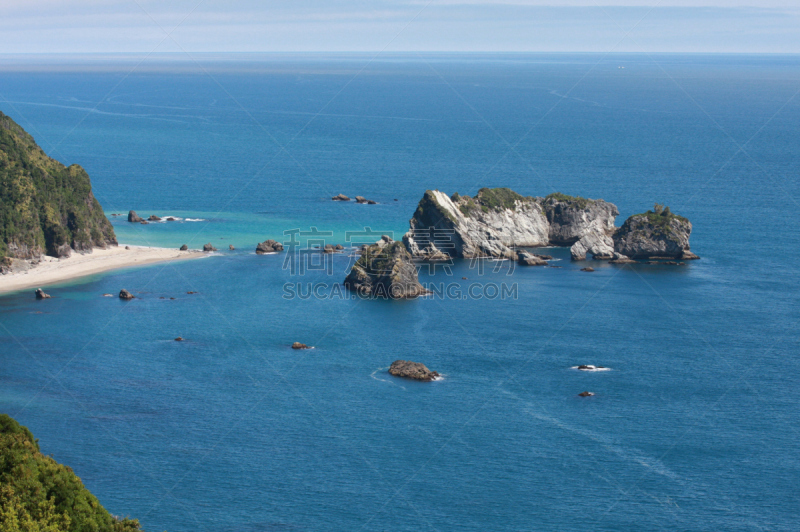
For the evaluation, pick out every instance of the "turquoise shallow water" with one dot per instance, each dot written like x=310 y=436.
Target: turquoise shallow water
x=694 y=428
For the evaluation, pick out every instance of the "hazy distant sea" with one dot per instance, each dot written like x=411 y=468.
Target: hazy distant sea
x=694 y=428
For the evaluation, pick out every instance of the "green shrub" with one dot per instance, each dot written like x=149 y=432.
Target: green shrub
x=37 y=494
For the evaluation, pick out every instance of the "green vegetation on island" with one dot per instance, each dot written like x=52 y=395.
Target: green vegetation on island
x=37 y=494
x=45 y=207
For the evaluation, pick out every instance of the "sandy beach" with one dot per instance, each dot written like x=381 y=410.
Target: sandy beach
x=52 y=270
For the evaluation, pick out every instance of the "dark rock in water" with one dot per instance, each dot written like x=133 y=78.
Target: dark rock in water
x=529 y=259
x=124 y=294
x=464 y=279
x=340 y=197
x=585 y=394
x=134 y=218
x=412 y=370
x=339 y=247
x=329 y=249
x=589 y=367
x=154 y=218
x=179 y=339
x=184 y=248
x=269 y=246
x=172 y=298
x=385 y=270
x=41 y=295
x=543 y=257
x=209 y=247
x=170 y=219
x=395 y=199
x=144 y=222
x=655 y=234
x=588 y=269
x=361 y=199
x=298 y=345
x=372 y=202
x=191 y=292
x=230 y=247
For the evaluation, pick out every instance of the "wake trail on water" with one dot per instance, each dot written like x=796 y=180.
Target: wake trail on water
x=627 y=454
x=384 y=380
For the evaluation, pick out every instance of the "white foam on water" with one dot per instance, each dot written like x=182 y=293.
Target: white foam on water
x=384 y=380
x=591 y=368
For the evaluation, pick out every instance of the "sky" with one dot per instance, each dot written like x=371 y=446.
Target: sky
x=193 y=26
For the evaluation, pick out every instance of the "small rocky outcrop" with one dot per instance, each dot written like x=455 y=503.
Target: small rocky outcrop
x=184 y=248
x=529 y=259
x=170 y=219
x=124 y=294
x=385 y=270
x=179 y=339
x=412 y=370
x=298 y=345
x=655 y=234
x=230 y=247
x=269 y=246
x=209 y=247
x=587 y=269
x=134 y=218
x=589 y=367
x=41 y=295
x=361 y=199
x=585 y=394
x=340 y=197
x=154 y=218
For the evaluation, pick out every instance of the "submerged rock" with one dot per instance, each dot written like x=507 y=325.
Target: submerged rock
x=384 y=269
x=230 y=247
x=41 y=295
x=268 y=246
x=585 y=394
x=134 y=218
x=124 y=294
x=587 y=269
x=412 y=370
x=655 y=234
x=179 y=339
x=340 y=197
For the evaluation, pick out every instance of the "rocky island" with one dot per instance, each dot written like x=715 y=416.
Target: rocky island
x=496 y=222
x=385 y=270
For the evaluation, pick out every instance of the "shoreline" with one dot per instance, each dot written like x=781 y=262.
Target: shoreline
x=52 y=271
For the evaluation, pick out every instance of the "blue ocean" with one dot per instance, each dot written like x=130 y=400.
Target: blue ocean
x=694 y=427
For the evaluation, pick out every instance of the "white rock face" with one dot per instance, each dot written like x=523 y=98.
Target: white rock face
x=599 y=245
x=496 y=221
x=440 y=222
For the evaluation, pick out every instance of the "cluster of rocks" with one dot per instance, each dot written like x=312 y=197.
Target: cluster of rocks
x=269 y=246
x=135 y=218
x=497 y=221
x=359 y=199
